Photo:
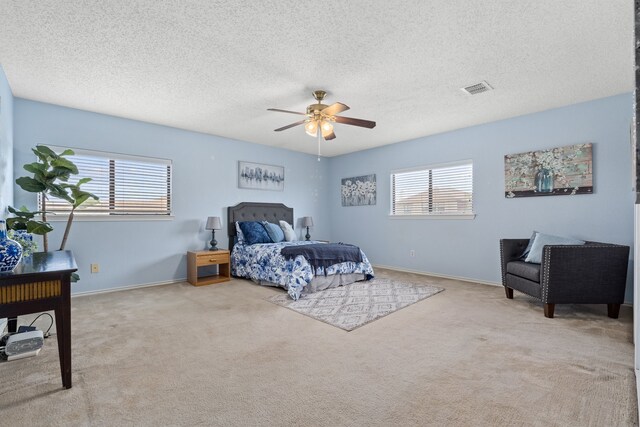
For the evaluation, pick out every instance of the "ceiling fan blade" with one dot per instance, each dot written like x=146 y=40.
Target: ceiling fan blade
x=286 y=111
x=336 y=108
x=355 y=122
x=290 y=126
x=330 y=136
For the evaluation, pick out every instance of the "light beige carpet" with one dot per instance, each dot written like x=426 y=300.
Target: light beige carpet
x=349 y=307
x=222 y=355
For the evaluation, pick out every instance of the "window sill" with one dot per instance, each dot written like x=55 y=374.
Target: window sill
x=435 y=216
x=108 y=218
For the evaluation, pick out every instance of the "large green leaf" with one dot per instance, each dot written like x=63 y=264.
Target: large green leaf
x=13 y=210
x=62 y=163
x=46 y=151
x=38 y=170
x=43 y=157
x=67 y=152
x=23 y=213
x=39 y=227
x=83 y=181
x=35 y=167
x=30 y=184
x=17 y=223
x=62 y=174
x=81 y=196
x=80 y=200
x=59 y=191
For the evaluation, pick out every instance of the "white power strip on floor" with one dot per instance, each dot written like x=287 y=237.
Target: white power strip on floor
x=23 y=355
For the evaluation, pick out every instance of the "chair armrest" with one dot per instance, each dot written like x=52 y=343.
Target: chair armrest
x=594 y=273
x=510 y=250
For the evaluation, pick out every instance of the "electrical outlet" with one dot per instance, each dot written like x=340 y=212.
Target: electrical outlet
x=95 y=268
x=412 y=253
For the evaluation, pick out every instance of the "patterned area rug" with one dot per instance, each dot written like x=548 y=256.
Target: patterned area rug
x=349 y=307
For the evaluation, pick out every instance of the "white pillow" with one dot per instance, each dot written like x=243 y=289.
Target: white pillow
x=239 y=233
x=289 y=234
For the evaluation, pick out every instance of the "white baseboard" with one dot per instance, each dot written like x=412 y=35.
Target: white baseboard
x=444 y=276
x=127 y=288
x=638 y=389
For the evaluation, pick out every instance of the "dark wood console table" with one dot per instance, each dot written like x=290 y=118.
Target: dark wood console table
x=39 y=284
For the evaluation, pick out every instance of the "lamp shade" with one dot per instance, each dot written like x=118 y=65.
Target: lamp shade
x=307 y=221
x=213 y=223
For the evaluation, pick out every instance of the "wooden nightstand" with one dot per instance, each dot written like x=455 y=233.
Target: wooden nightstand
x=197 y=259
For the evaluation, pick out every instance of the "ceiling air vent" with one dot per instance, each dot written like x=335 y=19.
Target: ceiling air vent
x=477 y=88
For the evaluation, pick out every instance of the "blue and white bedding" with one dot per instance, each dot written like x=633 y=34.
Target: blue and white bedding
x=264 y=263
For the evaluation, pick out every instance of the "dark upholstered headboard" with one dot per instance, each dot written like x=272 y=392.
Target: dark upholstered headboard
x=254 y=211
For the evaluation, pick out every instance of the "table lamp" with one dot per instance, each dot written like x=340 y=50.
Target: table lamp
x=307 y=221
x=213 y=224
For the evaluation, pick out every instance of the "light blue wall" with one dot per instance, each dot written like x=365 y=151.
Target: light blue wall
x=204 y=184
x=6 y=144
x=470 y=248
x=131 y=253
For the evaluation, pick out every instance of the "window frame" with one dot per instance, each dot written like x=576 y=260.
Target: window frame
x=94 y=217
x=438 y=216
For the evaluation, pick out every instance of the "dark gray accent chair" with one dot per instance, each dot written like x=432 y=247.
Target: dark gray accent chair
x=594 y=273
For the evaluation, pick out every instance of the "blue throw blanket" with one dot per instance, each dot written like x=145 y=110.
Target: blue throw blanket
x=324 y=254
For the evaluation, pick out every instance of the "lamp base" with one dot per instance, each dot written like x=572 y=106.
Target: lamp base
x=213 y=242
x=308 y=236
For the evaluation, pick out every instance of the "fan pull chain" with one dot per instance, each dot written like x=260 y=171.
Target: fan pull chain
x=319 y=138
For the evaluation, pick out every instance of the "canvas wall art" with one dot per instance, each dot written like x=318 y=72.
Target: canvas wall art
x=257 y=176
x=359 y=190
x=560 y=171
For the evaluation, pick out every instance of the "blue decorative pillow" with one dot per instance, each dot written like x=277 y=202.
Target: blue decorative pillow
x=528 y=248
x=539 y=242
x=254 y=232
x=274 y=231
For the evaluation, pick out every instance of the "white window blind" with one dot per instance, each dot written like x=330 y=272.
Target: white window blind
x=126 y=185
x=436 y=190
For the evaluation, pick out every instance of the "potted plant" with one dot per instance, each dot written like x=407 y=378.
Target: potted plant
x=50 y=178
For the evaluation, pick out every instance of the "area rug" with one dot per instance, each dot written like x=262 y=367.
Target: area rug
x=349 y=307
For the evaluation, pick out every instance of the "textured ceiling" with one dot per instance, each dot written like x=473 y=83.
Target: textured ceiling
x=216 y=66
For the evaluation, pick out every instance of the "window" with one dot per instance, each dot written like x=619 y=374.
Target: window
x=436 y=190
x=126 y=185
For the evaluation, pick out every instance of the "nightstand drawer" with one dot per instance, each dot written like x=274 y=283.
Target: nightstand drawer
x=212 y=258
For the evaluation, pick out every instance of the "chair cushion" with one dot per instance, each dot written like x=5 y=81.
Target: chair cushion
x=524 y=269
x=525 y=286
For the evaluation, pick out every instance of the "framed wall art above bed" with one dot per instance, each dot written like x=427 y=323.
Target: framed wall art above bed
x=258 y=176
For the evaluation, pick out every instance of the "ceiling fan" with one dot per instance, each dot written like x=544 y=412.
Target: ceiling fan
x=320 y=118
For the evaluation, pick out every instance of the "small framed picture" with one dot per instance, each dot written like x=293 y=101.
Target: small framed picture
x=257 y=176
x=359 y=190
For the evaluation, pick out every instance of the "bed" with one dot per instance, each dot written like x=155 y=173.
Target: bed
x=264 y=264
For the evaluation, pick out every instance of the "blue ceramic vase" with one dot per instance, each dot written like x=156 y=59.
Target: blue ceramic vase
x=10 y=250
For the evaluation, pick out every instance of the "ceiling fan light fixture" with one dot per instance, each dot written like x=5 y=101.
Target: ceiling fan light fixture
x=311 y=128
x=319 y=119
x=327 y=129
